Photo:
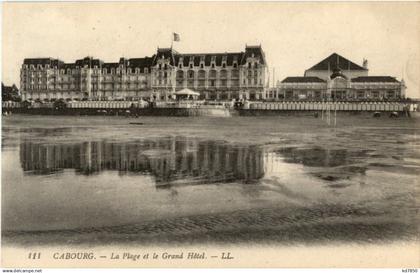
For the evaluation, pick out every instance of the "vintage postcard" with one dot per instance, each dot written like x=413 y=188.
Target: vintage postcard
x=210 y=134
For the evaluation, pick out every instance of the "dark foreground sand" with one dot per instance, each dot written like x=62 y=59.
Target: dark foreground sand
x=366 y=192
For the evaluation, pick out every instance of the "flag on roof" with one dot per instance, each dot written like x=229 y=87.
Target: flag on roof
x=176 y=37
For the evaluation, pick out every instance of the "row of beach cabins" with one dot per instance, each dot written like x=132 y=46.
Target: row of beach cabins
x=246 y=105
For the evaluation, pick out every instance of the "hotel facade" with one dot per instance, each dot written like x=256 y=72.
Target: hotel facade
x=216 y=76
x=338 y=78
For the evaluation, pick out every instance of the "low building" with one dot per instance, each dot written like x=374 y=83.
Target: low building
x=216 y=76
x=337 y=78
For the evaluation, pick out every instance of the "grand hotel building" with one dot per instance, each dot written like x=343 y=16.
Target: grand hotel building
x=221 y=76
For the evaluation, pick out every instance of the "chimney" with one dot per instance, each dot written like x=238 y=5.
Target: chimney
x=365 y=64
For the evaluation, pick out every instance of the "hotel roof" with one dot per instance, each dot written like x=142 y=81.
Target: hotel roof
x=195 y=58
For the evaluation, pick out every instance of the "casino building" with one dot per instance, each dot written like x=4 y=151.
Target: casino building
x=338 y=78
x=216 y=76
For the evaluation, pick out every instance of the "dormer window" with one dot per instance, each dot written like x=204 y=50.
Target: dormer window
x=224 y=65
x=180 y=65
x=212 y=65
x=249 y=65
x=191 y=65
x=235 y=65
x=105 y=71
x=201 y=65
x=160 y=66
x=112 y=70
x=166 y=66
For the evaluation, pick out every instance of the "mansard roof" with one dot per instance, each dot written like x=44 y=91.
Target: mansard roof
x=110 y=65
x=302 y=80
x=207 y=58
x=68 y=66
x=375 y=79
x=167 y=53
x=42 y=61
x=140 y=63
x=335 y=61
x=196 y=58
x=89 y=61
x=255 y=51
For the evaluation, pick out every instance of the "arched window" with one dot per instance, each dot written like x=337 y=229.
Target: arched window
x=212 y=74
x=191 y=74
x=201 y=74
x=180 y=74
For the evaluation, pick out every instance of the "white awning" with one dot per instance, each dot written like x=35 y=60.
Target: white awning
x=187 y=91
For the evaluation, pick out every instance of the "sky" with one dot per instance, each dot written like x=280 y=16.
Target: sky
x=294 y=36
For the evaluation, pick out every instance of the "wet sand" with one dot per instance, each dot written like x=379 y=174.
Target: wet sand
x=259 y=180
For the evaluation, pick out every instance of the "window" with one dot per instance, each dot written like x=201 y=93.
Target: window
x=166 y=66
x=201 y=65
x=191 y=65
x=235 y=65
x=201 y=74
x=224 y=65
x=212 y=65
x=249 y=65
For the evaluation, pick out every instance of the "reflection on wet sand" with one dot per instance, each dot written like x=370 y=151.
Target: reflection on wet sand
x=181 y=159
x=327 y=164
x=320 y=157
